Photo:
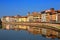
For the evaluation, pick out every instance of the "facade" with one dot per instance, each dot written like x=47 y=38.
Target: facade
x=53 y=18
x=4 y=19
x=43 y=17
x=47 y=17
x=23 y=19
x=36 y=16
x=58 y=16
x=30 y=17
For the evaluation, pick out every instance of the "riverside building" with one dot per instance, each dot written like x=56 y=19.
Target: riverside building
x=47 y=16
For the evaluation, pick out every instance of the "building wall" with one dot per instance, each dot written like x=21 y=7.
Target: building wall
x=53 y=17
x=58 y=17
x=19 y=19
x=47 y=17
x=3 y=19
x=24 y=19
x=30 y=18
x=16 y=19
x=37 y=18
x=43 y=17
x=12 y=19
x=7 y=19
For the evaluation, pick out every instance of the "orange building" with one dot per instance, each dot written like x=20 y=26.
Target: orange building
x=47 y=17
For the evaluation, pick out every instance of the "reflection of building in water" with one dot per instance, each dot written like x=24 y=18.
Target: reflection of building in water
x=32 y=29
x=11 y=26
x=44 y=31
x=51 y=33
x=59 y=34
x=35 y=30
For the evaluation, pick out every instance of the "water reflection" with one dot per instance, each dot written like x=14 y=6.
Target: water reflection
x=20 y=35
x=45 y=32
x=23 y=32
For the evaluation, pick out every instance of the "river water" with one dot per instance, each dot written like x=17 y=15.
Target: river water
x=21 y=35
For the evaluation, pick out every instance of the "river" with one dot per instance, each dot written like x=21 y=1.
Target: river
x=21 y=35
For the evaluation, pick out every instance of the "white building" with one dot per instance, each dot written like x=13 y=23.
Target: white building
x=43 y=17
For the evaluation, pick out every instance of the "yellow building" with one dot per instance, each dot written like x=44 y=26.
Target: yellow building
x=23 y=19
x=19 y=19
x=34 y=17
x=29 y=17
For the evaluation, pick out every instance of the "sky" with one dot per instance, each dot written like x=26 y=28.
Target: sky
x=22 y=7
